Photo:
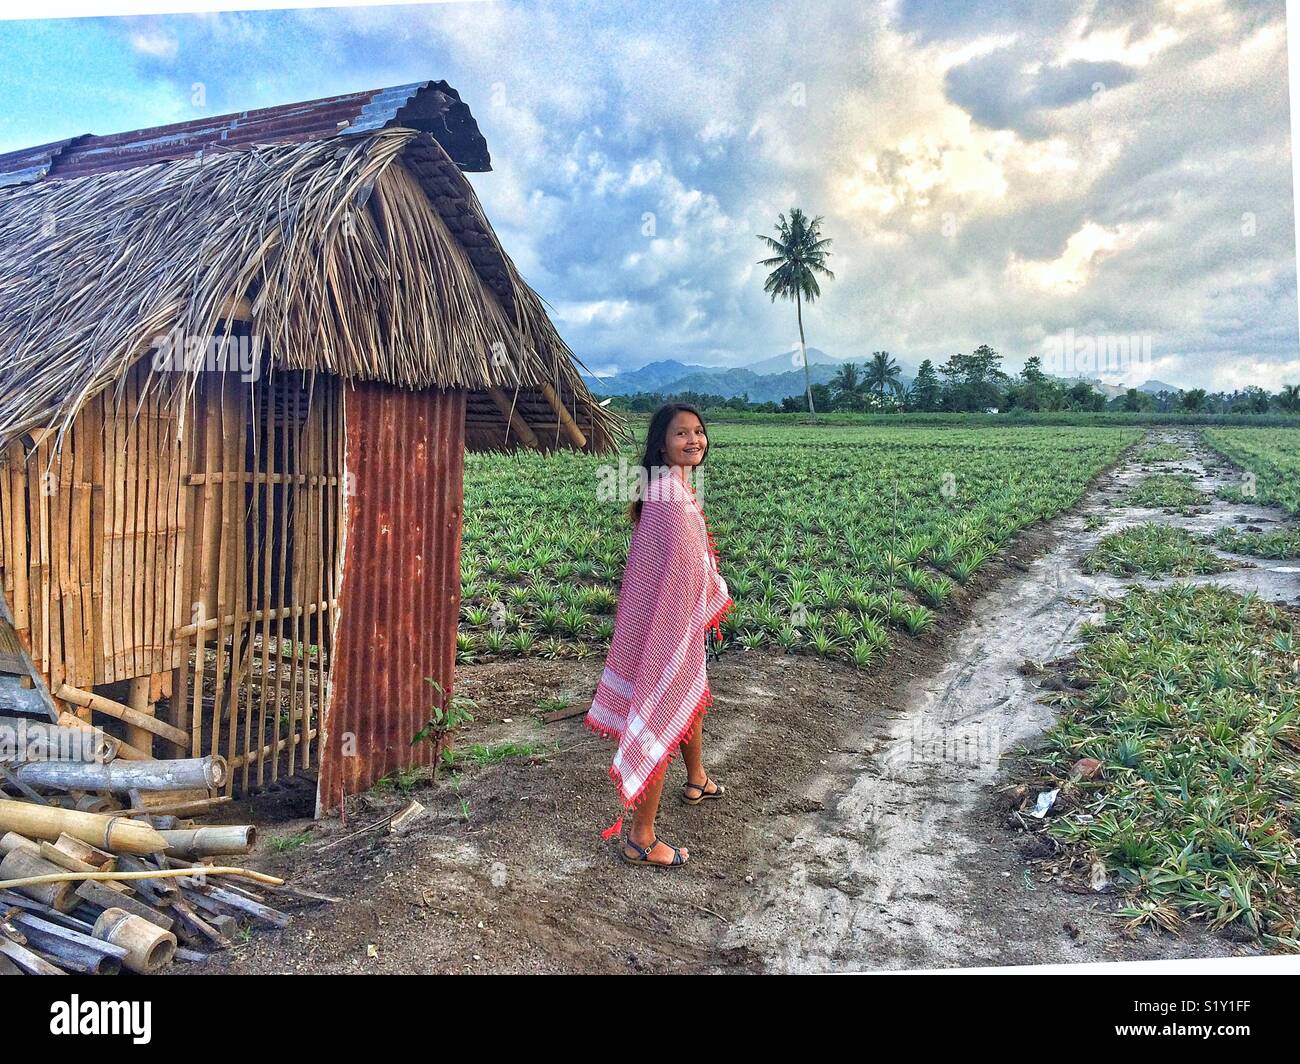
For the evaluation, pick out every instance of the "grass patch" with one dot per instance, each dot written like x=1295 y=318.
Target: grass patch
x=285 y=843
x=1280 y=543
x=1162 y=452
x=403 y=781
x=1165 y=490
x=1190 y=698
x=493 y=753
x=1153 y=550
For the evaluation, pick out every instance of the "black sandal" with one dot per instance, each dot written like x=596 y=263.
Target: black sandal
x=643 y=857
x=718 y=793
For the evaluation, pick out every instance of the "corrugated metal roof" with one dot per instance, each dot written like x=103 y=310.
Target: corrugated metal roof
x=432 y=106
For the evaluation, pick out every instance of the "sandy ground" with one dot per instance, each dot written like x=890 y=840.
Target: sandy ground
x=863 y=827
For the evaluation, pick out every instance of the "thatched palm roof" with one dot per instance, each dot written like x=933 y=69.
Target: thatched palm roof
x=366 y=256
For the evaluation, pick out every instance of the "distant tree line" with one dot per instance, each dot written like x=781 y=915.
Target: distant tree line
x=977 y=383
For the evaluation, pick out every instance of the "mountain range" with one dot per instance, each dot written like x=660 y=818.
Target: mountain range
x=769 y=379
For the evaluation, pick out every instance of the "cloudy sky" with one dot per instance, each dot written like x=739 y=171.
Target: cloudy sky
x=1036 y=176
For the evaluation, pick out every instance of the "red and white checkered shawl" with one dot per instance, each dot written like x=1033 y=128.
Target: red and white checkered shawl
x=654 y=686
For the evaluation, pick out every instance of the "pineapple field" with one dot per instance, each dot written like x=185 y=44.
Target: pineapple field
x=833 y=540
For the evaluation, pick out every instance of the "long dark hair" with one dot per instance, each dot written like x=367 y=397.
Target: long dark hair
x=656 y=441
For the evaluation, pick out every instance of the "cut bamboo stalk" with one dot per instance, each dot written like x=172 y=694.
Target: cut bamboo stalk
x=120 y=748
x=151 y=801
x=12 y=840
x=31 y=740
x=72 y=950
x=107 y=706
x=120 y=777
x=65 y=860
x=115 y=833
x=28 y=872
x=96 y=803
x=268 y=915
x=518 y=425
x=201 y=805
x=100 y=860
x=211 y=841
x=567 y=424
x=147 y=948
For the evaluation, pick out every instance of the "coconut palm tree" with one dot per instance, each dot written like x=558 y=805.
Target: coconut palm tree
x=847 y=385
x=1289 y=397
x=882 y=372
x=799 y=255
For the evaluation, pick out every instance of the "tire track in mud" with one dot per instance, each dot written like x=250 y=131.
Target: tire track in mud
x=904 y=865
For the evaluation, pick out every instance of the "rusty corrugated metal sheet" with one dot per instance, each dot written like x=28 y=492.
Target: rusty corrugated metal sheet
x=400 y=598
x=432 y=106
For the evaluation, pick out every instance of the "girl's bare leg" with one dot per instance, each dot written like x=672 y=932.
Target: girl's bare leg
x=693 y=756
x=642 y=831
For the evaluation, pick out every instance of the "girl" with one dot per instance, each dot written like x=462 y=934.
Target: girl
x=653 y=690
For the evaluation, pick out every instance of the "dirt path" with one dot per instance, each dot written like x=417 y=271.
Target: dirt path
x=862 y=831
x=907 y=865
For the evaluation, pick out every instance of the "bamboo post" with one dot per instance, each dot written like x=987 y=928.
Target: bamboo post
x=567 y=424
x=523 y=433
x=138 y=700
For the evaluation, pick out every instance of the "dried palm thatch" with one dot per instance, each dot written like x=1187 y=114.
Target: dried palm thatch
x=366 y=257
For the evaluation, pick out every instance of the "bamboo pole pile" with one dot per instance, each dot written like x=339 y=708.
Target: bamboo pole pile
x=99 y=873
x=95 y=894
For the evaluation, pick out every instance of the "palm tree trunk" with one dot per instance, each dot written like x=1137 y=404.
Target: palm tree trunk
x=807 y=376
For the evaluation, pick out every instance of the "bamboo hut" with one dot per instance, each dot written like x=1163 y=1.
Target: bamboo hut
x=244 y=357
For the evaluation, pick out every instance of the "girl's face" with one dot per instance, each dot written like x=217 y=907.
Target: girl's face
x=685 y=441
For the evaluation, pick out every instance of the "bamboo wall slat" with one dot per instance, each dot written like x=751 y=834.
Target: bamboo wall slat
x=203 y=562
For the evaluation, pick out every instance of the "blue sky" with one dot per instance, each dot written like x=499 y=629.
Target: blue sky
x=1007 y=173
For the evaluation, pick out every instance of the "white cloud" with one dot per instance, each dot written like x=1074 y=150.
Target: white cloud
x=157 y=44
